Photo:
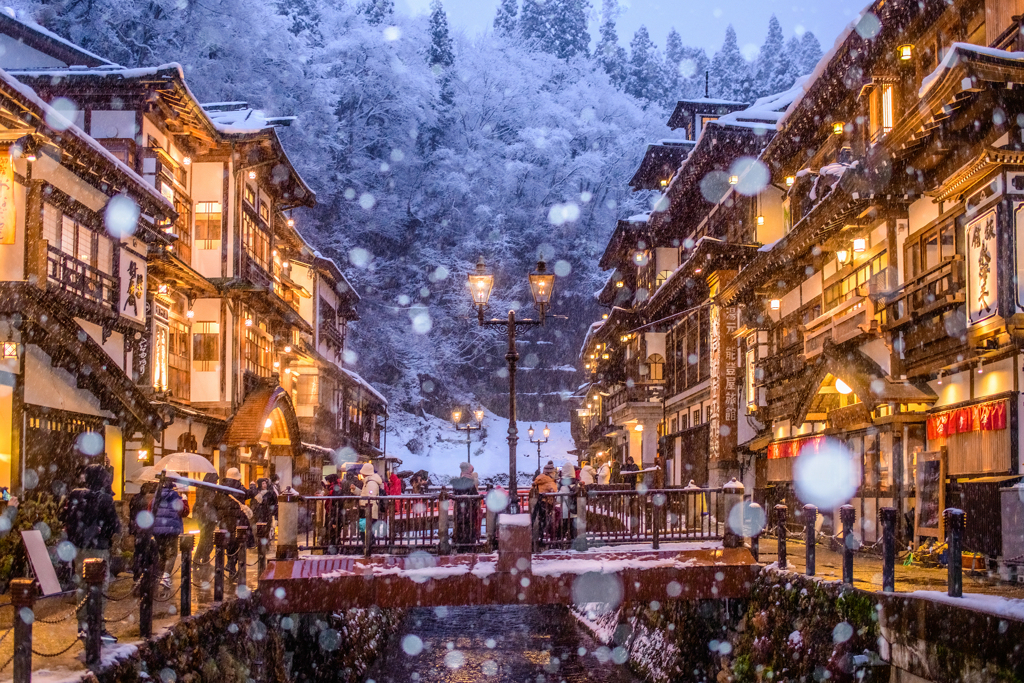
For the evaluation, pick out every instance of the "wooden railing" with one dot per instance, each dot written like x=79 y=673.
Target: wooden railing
x=255 y=273
x=935 y=289
x=639 y=393
x=81 y=279
x=852 y=318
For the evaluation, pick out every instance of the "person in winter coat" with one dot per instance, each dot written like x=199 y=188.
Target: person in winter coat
x=627 y=473
x=587 y=474
x=466 y=528
x=604 y=475
x=90 y=521
x=567 y=484
x=372 y=486
x=206 y=514
x=419 y=482
x=394 y=485
x=544 y=513
x=264 y=503
x=231 y=515
x=334 y=509
x=168 y=509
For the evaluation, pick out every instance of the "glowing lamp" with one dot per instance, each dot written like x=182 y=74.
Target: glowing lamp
x=760 y=220
x=268 y=424
x=30 y=156
x=143 y=454
x=252 y=175
x=291 y=222
x=541 y=284
x=619 y=283
x=790 y=181
x=187 y=161
x=859 y=245
x=905 y=52
x=734 y=179
x=162 y=289
x=530 y=431
x=190 y=313
x=838 y=127
x=605 y=356
x=842 y=255
x=604 y=316
x=698 y=271
x=639 y=427
x=248 y=322
x=287 y=349
x=547 y=431
x=842 y=387
x=664 y=183
x=456 y=416
x=480 y=284
x=775 y=304
x=479 y=415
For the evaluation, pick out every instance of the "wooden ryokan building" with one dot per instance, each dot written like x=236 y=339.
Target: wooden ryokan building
x=218 y=328
x=840 y=263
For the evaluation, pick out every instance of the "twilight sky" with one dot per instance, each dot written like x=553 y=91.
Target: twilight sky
x=701 y=24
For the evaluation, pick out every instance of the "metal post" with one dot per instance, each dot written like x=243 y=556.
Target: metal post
x=94 y=572
x=262 y=541
x=733 y=494
x=220 y=542
x=580 y=542
x=513 y=432
x=185 y=545
x=288 y=526
x=241 y=537
x=847 y=515
x=755 y=536
x=368 y=529
x=954 y=555
x=23 y=597
x=535 y=530
x=888 y=515
x=780 y=531
x=810 y=539
x=147 y=587
x=444 y=546
x=655 y=541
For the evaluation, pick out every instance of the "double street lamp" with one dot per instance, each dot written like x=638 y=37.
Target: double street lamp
x=469 y=428
x=547 y=433
x=541 y=285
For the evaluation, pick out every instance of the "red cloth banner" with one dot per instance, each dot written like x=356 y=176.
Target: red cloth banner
x=987 y=417
x=791 y=449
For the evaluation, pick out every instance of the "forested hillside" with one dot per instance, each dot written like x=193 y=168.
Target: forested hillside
x=428 y=148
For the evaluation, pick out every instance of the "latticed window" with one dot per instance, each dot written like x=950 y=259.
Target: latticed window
x=208 y=225
x=257 y=242
x=258 y=355
x=205 y=345
x=178 y=374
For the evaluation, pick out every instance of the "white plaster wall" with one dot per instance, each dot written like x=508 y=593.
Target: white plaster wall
x=206 y=384
x=114 y=346
x=954 y=389
x=996 y=378
x=113 y=124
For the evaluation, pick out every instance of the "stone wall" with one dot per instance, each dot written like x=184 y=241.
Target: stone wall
x=235 y=643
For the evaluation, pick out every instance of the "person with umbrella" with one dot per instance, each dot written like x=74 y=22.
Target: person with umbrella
x=168 y=510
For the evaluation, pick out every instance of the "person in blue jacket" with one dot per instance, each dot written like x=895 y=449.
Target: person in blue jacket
x=169 y=508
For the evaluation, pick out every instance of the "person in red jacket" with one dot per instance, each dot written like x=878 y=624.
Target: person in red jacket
x=394 y=485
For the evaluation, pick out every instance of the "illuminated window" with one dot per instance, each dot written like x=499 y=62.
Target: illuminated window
x=250 y=196
x=886 y=108
x=178 y=374
x=160 y=342
x=205 y=345
x=308 y=390
x=265 y=212
x=208 y=225
x=257 y=242
x=656 y=368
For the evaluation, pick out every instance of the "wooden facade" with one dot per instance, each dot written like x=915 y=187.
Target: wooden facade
x=868 y=236
x=235 y=334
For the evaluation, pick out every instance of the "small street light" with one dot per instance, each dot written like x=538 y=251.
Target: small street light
x=542 y=284
x=547 y=433
x=469 y=428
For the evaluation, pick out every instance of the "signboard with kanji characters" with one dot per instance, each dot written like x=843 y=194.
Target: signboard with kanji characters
x=982 y=274
x=725 y=378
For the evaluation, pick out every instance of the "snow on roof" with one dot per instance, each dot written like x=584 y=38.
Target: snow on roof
x=639 y=218
x=365 y=385
x=769 y=246
x=239 y=117
x=331 y=262
x=711 y=100
x=674 y=142
x=952 y=58
x=49 y=113
x=33 y=26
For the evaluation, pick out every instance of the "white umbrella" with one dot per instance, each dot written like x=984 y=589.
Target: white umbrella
x=147 y=473
x=185 y=462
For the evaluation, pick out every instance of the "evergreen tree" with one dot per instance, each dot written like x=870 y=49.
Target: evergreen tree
x=568 y=27
x=674 y=50
x=730 y=73
x=773 y=70
x=505 y=18
x=810 y=53
x=694 y=68
x=304 y=16
x=672 y=80
x=378 y=11
x=610 y=55
x=533 y=24
x=441 y=54
x=643 y=75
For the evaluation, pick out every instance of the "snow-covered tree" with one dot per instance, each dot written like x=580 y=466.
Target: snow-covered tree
x=506 y=18
x=441 y=53
x=773 y=69
x=610 y=55
x=730 y=73
x=568 y=22
x=379 y=11
x=535 y=26
x=810 y=52
x=643 y=77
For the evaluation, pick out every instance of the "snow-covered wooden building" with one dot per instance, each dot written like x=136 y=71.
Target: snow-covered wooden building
x=242 y=322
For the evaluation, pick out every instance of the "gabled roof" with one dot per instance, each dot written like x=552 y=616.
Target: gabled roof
x=685 y=110
x=659 y=163
x=239 y=117
x=626 y=237
x=38 y=38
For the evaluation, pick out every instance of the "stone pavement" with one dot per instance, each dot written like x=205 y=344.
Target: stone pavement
x=123 y=609
x=867 y=571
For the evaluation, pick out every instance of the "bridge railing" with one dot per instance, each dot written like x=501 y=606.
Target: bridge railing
x=620 y=517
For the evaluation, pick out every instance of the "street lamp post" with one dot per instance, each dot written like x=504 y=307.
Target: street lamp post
x=541 y=285
x=547 y=433
x=469 y=428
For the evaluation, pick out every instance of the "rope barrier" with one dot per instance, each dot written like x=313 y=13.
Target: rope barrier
x=127 y=595
x=168 y=598
x=55 y=654
x=114 y=620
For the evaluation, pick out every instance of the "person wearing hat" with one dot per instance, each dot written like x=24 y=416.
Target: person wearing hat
x=567 y=484
x=544 y=513
x=333 y=509
x=372 y=484
x=466 y=531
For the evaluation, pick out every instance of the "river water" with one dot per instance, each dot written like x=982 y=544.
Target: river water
x=504 y=644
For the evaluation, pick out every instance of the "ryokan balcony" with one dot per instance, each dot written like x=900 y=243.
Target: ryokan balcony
x=852 y=319
x=936 y=289
x=81 y=280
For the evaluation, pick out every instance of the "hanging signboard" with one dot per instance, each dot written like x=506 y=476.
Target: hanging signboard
x=132 y=297
x=8 y=227
x=982 y=282
x=931 y=495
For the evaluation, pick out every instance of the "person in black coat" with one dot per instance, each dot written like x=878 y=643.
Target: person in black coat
x=230 y=514
x=207 y=515
x=90 y=521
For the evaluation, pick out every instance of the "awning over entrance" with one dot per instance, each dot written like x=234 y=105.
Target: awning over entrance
x=266 y=417
x=54 y=330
